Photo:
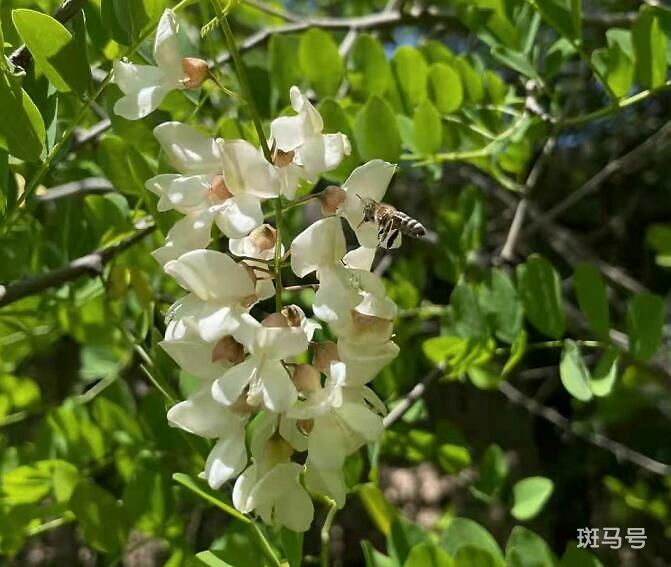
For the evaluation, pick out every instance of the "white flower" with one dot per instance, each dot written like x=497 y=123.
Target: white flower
x=145 y=86
x=260 y=244
x=269 y=343
x=202 y=416
x=369 y=181
x=302 y=151
x=330 y=482
x=221 y=291
x=190 y=233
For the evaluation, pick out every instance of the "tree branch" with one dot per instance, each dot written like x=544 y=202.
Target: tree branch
x=81 y=187
x=89 y=265
x=621 y=452
x=412 y=396
x=21 y=57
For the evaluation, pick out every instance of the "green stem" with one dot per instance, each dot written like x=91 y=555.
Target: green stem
x=256 y=119
x=555 y=344
x=265 y=545
x=326 y=533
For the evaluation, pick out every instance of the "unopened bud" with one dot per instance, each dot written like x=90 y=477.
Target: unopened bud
x=305 y=426
x=293 y=315
x=229 y=350
x=275 y=320
x=264 y=237
x=196 y=72
x=282 y=159
x=324 y=354
x=218 y=192
x=307 y=379
x=331 y=198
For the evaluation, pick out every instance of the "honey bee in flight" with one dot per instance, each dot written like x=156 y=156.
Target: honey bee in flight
x=390 y=222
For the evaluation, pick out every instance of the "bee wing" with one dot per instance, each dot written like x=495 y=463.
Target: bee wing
x=392 y=239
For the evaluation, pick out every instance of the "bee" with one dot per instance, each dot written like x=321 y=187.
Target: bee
x=390 y=222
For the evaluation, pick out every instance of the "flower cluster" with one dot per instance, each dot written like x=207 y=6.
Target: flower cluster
x=268 y=392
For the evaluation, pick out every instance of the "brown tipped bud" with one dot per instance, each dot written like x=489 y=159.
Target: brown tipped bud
x=196 y=72
x=277 y=450
x=305 y=426
x=282 y=159
x=218 y=192
x=264 y=237
x=307 y=379
x=242 y=407
x=293 y=315
x=227 y=349
x=331 y=198
x=275 y=320
x=324 y=354
x=371 y=325
x=249 y=300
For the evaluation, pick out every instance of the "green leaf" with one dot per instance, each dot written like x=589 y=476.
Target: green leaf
x=411 y=72
x=527 y=549
x=211 y=559
x=590 y=290
x=471 y=80
x=645 y=319
x=374 y=558
x=649 y=49
x=469 y=556
x=516 y=60
x=605 y=373
x=616 y=62
x=501 y=306
x=22 y=131
x=54 y=50
x=427 y=128
x=493 y=469
x=292 y=544
x=100 y=517
x=462 y=532
x=375 y=131
x=379 y=510
x=517 y=352
x=428 y=555
x=370 y=72
x=540 y=288
x=563 y=15
x=458 y=354
x=402 y=537
x=126 y=19
x=284 y=73
x=320 y=61
x=147 y=499
x=574 y=373
x=445 y=87
x=529 y=497
x=578 y=557
x=336 y=120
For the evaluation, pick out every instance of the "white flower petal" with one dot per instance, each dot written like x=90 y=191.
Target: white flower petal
x=190 y=352
x=321 y=244
x=227 y=458
x=278 y=343
x=370 y=180
x=212 y=275
x=189 y=151
x=365 y=361
x=215 y=321
x=247 y=171
x=203 y=416
x=279 y=392
x=360 y=258
x=166 y=45
x=186 y=194
x=187 y=234
x=356 y=414
x=290 y=433
x=327 y=447
x=228 y=388
x=328 y=482
x=242 y=490
x=131 y=78
x=239 y=215
x=140 y=103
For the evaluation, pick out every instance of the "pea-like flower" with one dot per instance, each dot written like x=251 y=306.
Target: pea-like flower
x=145 y=86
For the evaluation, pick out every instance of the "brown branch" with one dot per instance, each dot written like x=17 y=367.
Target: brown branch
x=73 y=188
x=621 y=452
x=21 y=57
x=89 y=265
x=412 y=396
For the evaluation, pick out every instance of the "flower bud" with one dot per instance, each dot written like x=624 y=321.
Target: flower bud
x=324 y=354
x=283 y=159
x=331 y=198
x=264 y=237
x=305 y=426
x=196 y=72
x=306 y=378
x=229 y=350
x=218 y=192
x=293 y=315
x=275 y=320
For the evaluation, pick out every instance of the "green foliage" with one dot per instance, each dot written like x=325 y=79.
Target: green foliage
x=321 y=62
x=22 y=131
x=530 y=496
x=649 y=43
x=375 y=131
x=645 y=318
x=540 y=290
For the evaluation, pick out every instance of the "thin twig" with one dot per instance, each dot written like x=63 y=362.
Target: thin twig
x=621 y=452
x=89 y=265
x=412 y=396
x=76 y=188
x=326 y=533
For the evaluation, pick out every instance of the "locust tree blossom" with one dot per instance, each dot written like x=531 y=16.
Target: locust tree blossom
x=145 y=86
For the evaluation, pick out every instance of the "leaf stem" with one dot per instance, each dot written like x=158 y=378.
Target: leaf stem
x=326 y=533
x=265 y=545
